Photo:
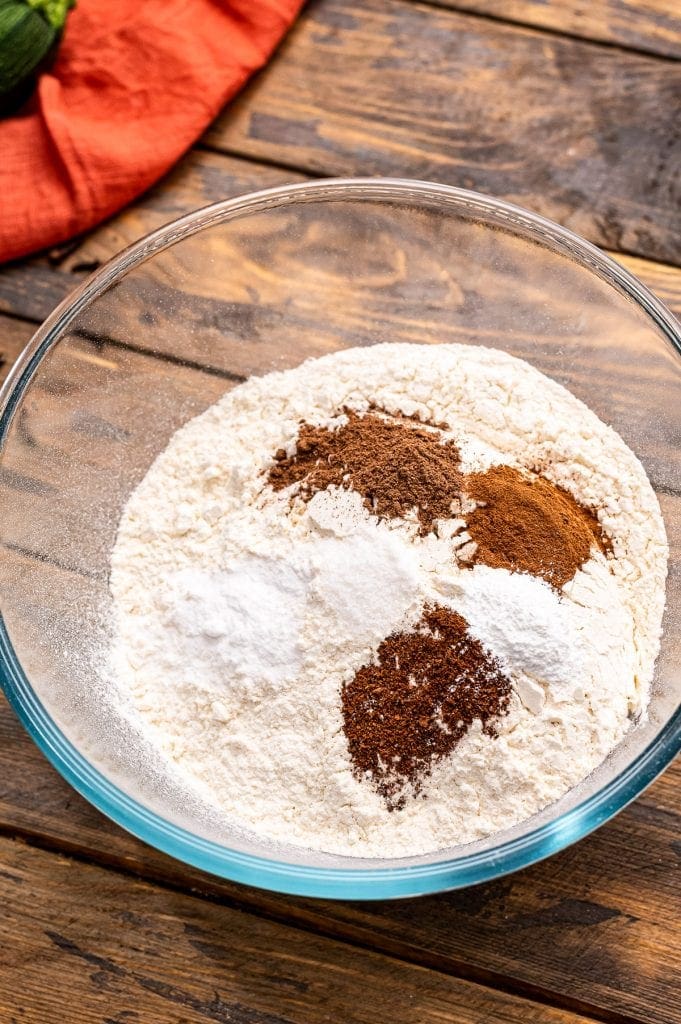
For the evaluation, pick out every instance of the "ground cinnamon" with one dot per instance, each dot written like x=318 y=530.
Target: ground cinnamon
x=411 y=708
x=525 y=523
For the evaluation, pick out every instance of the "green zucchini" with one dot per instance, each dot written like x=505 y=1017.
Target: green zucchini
x=30 y=31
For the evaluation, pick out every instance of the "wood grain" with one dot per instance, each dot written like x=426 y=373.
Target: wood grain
x=581 y=132
x=567 y=929
x=32 y=289
x=13 y=336
x=135 y=952
x=100 y=411
x=653 y=26
x=562 y=931
x=206 y=177
x=585 y=134
x=247 y=313
x=234 y=339
x=79 y=442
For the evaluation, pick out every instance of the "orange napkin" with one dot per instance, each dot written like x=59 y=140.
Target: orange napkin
x=134 y=84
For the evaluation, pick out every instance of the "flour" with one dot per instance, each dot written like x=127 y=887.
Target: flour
x=239 y=624
x=524 y=621
x=241 y=613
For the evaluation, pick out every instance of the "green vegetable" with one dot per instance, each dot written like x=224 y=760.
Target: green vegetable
x=30 y=31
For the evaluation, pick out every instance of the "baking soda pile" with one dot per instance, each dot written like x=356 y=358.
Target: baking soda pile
x=335 y=651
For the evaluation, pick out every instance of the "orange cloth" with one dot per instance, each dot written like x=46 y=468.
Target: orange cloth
x=134 y=84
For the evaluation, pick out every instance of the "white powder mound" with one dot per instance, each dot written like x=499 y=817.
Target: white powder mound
x=238 y=624
x=240 y=614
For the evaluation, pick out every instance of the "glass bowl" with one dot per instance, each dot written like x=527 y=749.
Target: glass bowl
x=261 y=283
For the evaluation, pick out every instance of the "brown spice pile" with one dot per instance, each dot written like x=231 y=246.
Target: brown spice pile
x=528 y=524
x=395 y=467
x=412 y=707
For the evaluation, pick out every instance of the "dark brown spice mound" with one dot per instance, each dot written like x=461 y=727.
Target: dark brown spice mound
x=394 y=466
x=412 y=707
x=528 y=524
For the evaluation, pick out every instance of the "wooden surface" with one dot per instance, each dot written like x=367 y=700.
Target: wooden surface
x=653 y=26
x=573 y=110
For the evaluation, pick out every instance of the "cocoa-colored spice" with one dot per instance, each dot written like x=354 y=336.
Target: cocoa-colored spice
x=396 y=467
x=526 y=523
x=412 y=706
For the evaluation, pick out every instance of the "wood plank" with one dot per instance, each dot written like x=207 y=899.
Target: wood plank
x=662 y=279
x=14 y=334
x=563 y=924
x=125 y=951
x=539 y=912
x=83 y=441
x=653 y=26
x=582 y=133
x=32 y=288
x=79 y=445
x=205 y=177
x=229 y=177
x=583 y=905
x=241 y=322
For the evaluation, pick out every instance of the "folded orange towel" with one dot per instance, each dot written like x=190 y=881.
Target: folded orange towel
x=134 y=84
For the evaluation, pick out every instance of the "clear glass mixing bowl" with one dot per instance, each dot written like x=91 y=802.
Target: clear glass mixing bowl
x=259 y=283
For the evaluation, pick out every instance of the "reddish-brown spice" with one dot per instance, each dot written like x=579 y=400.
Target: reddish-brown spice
x=528 y=524
x=411 y=708
x=396 y=467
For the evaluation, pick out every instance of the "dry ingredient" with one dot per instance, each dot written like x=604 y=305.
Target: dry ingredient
x=399 y=470
x=415 y=701
x=517 y=519
x=451 y=545
x=425 y=688
x=527 y=524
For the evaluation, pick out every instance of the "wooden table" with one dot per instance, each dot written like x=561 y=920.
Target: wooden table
x=574 y=110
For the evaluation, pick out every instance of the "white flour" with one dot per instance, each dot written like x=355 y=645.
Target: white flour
x=240 y=618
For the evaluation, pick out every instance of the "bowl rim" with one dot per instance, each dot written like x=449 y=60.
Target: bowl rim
x=282 y=876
